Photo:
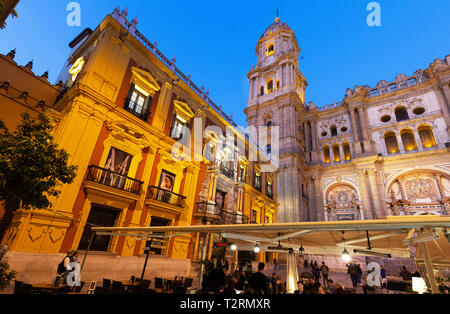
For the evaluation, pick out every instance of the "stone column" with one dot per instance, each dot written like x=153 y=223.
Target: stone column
x=374 y=191
x=341 y=152
x=366 y=197
x=418 y=141
x=383 y=145
x=355 y=132
x=364 y=123
x=400 y=143
x=318 y=212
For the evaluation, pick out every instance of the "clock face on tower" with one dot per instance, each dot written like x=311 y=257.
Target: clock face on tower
x=269 y=60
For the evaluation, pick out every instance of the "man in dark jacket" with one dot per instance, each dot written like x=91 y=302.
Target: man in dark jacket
x=353 y=272
x=258 y=281
x=216 y=279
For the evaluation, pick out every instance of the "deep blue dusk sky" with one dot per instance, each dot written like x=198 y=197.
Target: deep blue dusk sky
x=215 y=40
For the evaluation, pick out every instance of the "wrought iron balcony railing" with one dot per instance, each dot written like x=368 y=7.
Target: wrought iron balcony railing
x=230 y=173
x=113 y=179
x=166 y=196
x=220 y=215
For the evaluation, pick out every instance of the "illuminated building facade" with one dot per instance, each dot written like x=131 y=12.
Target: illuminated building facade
x=380 y=152
x=123 y=110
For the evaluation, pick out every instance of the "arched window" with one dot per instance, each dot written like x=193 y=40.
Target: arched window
x=333 y=130
x=336 y=153
x=261 y=91
x=390 y=140
x=326 y=155
x=409 y=142
x=347 y=152
x=269 y=86
x=401 y=114
x=427 y=137
x=270 y=49
x=277 y=85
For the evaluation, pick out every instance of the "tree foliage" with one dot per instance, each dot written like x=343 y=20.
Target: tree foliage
x=32 y=167
x=6 y=275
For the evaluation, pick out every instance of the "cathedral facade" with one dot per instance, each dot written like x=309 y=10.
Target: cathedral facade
x=381 y=151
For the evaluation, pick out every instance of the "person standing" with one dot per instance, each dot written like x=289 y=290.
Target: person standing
x=316 y=274
x=258 y=281
x=383 y=277
x=352 y=271
x=64 y=267
x=324 y=268
x=358 y=273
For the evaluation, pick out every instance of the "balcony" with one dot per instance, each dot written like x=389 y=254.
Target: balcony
x=165 y=196
x=113 y=179
x=217 y=215
x=230 y=173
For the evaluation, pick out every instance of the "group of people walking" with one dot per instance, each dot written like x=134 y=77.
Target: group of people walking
x=318 y=270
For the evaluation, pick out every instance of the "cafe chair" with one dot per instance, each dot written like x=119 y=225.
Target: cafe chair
x=22 y=288
x=117 y=287
x=179 y=290
x=106 y=283
x=99 y=290
x=145 y=284
x=158 y=283
x=188 y=282
x=91 y=288
x=77 y=289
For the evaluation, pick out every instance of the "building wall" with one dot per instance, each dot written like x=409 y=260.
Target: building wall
x=93 y=121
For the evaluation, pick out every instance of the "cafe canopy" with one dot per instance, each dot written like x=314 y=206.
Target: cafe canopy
x=426 y=236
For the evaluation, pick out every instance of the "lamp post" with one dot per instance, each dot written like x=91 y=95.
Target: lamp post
x=147 y=250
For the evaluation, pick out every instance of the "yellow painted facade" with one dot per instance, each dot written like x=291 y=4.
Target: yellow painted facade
x=117 y=113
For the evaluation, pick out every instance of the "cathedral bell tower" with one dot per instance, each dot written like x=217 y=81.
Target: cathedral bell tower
x=277 y=98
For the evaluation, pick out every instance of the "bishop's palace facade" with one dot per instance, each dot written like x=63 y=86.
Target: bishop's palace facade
x=382 y=151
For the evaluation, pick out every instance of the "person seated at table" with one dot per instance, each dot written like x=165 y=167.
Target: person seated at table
x=311 y=287
x=340 y=288
x=330 y=289
x=216 y=279
x=299 y=287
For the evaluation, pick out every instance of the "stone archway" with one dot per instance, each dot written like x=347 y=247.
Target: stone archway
x=343 y=202
x=420 y=192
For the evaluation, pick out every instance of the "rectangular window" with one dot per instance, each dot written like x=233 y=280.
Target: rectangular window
x=177 y=129
x=138 y=102
x=254 y=216
x=99 y=216
x=269 y=189
x=241 y=174
x=258 y=182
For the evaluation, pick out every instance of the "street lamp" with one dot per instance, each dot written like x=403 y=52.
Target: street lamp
x=256 y=248
x=301 y=250
x=346 y=256
x=233 y=247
